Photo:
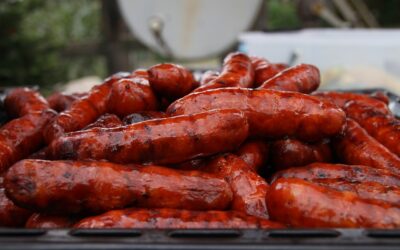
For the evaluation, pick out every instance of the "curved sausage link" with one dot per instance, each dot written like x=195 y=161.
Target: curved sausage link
x=271 y=114
x=357 y=147
x=381 y=96
x=178 y=219
x=22 y=101
x=237 y=71
x=50 y=221
x=162 y=141
x=68 y=187
x=208 y=76
x=105 y=121
x=249 y=189
x=303 y=78
x=61 y=101
x=171 y=80
x=290 y=153
x=143 y=116
x=303 y=204
x=254 y=153
x=264 y=70
x=348 y=173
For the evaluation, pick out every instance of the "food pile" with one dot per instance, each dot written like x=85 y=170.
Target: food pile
x=252 y=146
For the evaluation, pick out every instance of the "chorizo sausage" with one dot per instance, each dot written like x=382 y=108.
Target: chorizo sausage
x=105 y=121
x=348 y=173
x=254 y=153
x=171 y=80
x=356 y=146
x=143 y=116
x=304 y=204
x=208 y=76
x=68 y=187
x=237 y=71
x=61 y=101
x=302 y=78
x=290 y=153
x=161 y=141
x=264 y=70
x=22 y=101
x=381 y=96
x=50 y=221
x=178 y=219
x=271 y=114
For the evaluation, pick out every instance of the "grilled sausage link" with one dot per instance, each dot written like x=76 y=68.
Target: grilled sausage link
x=22 y=136
x=162 y=141
x=254 y=153
x=61 y=101
x=132 y=95
x=208 y=76
x=348 y=173
x=22 y=101
x=357 y=147
x=302 y=78
x=237 y=71
x=83 y=111
x=171 y=80
x=249 y=189
x=304 y=204
x=68 y=187
x=290 y=153
x=50 y=221
x=271 y=114
x=264 y=70
x=143 y=116
x=105 y=121
x=178 y=219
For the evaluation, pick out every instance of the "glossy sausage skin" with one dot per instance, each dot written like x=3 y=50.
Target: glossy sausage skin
x=348 y=173
x=249 y=189
x=237 y=71
x=143 y=116
x=83 y=111
x=365 y=190
x=10 y=214
x=131 y=95
x=22 y=136
x=357 y=147
x=61 y=101
x=302 y=78
x=50 y=221
x=171 y=80
x=289 y=153
x=23 y=101
x=70 y=187
x=254 y=153
x=271 y=113
x=179 y=219
x=381 y=96
x=162 y=141
x=303 y=204
x=264 y=70
x=105 y=121
x=208 y=76
x=384 y=128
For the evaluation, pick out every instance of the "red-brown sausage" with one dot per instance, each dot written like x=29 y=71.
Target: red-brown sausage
x=22 y=136
x=237 y=71
x=171 y=80
x=381 y=96
x=249 y=189
x=172 y=218
x=83 y=111
x=162 y=141
x=365 y=190
x=68 y=187
x=303 y=78
x=61 y=101
x=105 y=121
x=271 y=113
x=303 y=204
x=357 y=147
x=208 y=76
x=264 y=70
x=143 y=116
x=254 y=153
x=289 y=153
x=348 y=173
x=50 y=221
x=132 y=95
x=384 y=128
x=10 y=214
x=23 y=101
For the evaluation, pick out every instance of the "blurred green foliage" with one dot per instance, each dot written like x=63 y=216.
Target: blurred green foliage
x=282 y=14
x=34 y=34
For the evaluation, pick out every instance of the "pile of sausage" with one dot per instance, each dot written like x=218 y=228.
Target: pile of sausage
x=251 y=146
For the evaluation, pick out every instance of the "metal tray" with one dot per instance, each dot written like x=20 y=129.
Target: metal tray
x=292 y=239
